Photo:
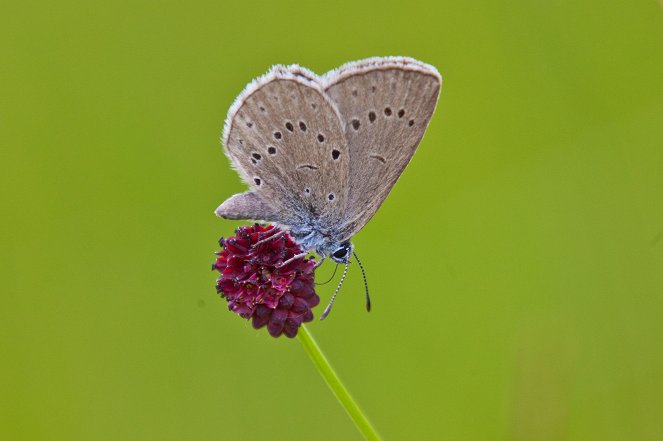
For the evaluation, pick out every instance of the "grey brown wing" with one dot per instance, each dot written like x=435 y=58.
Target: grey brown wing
x=386 y=104
x=286 y=140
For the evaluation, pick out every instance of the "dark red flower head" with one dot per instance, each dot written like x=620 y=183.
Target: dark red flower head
x=258 y=288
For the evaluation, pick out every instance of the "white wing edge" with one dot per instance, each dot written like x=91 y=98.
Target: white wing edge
x=309 y=78
x=369 y=64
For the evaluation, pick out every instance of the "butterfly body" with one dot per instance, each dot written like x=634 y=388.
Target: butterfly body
x=321 y=153
x=323 y=242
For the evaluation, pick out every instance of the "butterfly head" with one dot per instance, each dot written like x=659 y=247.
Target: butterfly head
x=342 y=253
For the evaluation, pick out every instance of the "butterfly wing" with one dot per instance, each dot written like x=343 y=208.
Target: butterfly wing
x=247 y=205
x=286 y=140
x=385 y=104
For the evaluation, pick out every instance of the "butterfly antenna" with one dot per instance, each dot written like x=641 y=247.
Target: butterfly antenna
x=332 y=276
x=363 y=273
x=338 y=288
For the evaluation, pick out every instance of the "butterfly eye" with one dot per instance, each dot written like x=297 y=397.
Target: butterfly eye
x=340 y=253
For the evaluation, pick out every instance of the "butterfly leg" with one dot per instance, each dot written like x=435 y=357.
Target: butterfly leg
x=273 y=236
x=293 y=258
x=322 y=259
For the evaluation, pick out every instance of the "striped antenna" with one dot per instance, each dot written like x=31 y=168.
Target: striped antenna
x=363 y=273
x=338 y=288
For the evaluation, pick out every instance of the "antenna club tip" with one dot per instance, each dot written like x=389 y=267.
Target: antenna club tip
x=325 y=313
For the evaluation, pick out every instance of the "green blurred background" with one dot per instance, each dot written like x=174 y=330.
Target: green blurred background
x=516 y=269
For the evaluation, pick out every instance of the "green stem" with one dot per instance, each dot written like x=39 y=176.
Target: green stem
x=334 y=383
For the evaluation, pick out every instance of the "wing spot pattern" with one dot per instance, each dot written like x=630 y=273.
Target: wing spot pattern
x=379 y=158
x=266 y=105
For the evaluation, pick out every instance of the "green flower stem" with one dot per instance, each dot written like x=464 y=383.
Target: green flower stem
x=334 y=383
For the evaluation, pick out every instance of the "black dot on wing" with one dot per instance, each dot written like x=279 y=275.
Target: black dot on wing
x=277 y=135
x=289 y=126
x=371 y=116
x=302 y=126
x=355 y=124
x=330 y=196
x=410 y=123
x=401 y=113
x=257 y=156
x=271 y=150
x=387 y=111
x=321 y=137
x=257 y=181
x=335 y=154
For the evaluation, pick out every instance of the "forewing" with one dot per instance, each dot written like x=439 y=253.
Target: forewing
x=285 y=138
x=385 y=104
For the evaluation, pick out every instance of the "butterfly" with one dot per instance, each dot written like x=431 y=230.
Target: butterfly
x=321 y=153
